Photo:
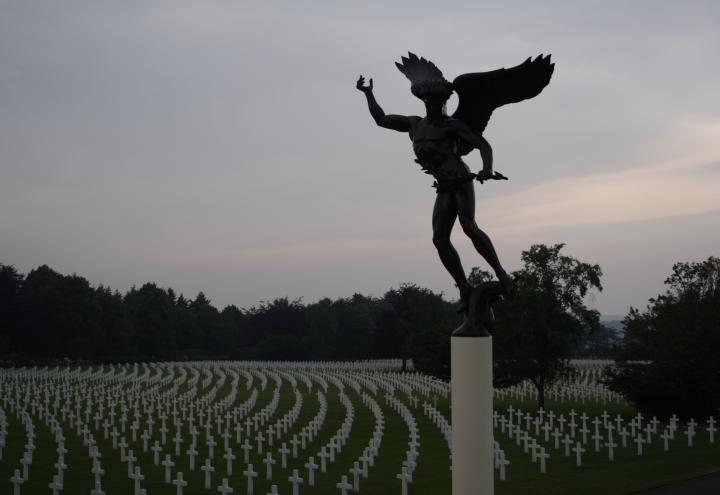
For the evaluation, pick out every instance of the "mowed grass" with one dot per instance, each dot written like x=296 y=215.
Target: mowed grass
x=627 y=474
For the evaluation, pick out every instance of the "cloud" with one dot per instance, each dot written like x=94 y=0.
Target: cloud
x=687 y=183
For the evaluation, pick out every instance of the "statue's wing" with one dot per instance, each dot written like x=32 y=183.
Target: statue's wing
x=479 y=93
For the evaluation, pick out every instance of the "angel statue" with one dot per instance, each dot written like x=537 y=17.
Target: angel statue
x=440 y=141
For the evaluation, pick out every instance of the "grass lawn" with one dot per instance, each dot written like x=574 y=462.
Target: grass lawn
x=628 y=473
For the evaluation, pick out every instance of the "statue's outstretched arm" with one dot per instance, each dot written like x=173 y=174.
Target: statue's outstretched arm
x=396 y=122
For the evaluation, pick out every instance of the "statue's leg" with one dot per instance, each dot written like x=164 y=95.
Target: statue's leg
x=443 y=219
x=465 y=200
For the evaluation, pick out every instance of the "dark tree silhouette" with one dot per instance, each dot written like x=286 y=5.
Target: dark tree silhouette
x=667 y=360
x=541 y=328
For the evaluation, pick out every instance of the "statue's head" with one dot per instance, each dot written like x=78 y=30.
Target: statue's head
x=426 y=81
x=435 y=104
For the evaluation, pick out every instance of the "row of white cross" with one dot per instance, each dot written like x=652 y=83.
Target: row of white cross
x=117 y=408
x=191 y=413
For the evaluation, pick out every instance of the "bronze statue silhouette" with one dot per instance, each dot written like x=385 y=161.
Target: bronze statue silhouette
x=440 y=142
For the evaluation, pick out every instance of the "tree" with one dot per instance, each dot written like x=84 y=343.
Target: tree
x=667 y=360
x=151 y=316
x=59 y=316
x=322 y=320
x=430 y=346
x=409 y=311
x=355 y=327
x=10 y=283
x=540 y=328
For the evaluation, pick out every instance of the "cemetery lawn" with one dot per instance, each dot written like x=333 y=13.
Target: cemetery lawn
x=627 y=474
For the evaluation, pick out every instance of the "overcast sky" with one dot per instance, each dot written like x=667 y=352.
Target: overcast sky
x=221 y=145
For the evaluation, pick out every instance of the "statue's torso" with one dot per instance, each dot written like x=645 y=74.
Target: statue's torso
x=434 y=144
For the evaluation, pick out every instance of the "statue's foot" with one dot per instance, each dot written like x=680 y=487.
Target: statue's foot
x=465 y=298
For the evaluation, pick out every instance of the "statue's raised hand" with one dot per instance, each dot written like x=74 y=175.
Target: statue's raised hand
x=361 y=85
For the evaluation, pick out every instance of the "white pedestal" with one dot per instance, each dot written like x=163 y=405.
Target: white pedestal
x=472 y=407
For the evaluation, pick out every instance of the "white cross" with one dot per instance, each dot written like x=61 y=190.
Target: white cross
x=344 y=486
x=323 y=458
x=229 y=458
x=98 y=471
x=404 y=477
x=156 y=452
x=639 y=440
x=123 y=445
x=17 y=480
x=224 y=489
x=355 y=471
x=163 y=433
x=130 y=458
x=246 y=447
x=268 y=461
x=597 y=437
x=502 y=462
x=226 y=438
x=137 y=477
x=365 y=459
x=624 y=434
x=611 y=453
x=294 y=442
x=25 y=461
x=211 y=443
x=98 y=489
x=543 y=455
x=114 y=434
x=711 y=429
x=145 y=437
x=605 y=417
x=561 y=422
x=556 y=434
x=180 y=483
x=177 y=440
x=673 y=419
x=665 y=435
x=207 y=467
x=284 y=451
x=60 y=466
x=55 y=486
x=690 y=432
x=168 y=463
x=618 y=422
x=250 y=474
x=311 y=467
x=584 y=432
x=331 y=449
x=296 y=480
x=191 y=452
x=578 y=449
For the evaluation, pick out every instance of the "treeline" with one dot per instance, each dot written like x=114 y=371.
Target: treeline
x=665 y=361
x=46 y=315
